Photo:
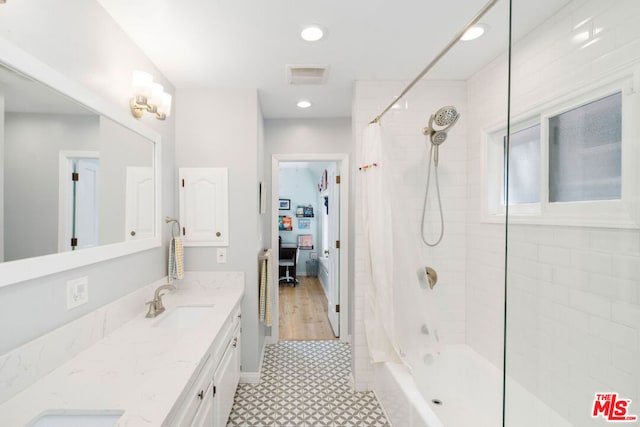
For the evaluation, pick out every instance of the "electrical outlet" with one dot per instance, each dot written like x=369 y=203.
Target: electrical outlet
x=221 y=255
x=77 y=292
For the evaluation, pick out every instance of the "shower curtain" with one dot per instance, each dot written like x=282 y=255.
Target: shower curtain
x=398 y=305
x=376 y=212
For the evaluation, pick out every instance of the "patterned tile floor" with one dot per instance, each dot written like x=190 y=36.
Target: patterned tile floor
x=305 y=384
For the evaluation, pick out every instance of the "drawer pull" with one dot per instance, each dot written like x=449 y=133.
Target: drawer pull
x=201 y=394
x=235 y=342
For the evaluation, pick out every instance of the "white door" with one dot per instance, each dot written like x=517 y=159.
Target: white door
x=139 y=203
x=333 y=296
x=86 y=203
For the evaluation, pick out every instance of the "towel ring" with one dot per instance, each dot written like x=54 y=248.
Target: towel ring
x=175 y=222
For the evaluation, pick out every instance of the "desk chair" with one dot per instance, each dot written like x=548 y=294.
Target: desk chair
x=288 y=259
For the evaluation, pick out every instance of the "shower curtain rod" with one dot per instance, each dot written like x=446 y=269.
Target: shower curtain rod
x=435 y=60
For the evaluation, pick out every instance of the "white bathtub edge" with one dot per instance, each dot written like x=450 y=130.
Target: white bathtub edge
x=392 y=382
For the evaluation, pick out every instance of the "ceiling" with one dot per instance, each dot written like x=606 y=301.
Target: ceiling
x=248 y=43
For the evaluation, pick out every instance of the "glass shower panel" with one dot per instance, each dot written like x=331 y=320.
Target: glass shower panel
x=572 y=351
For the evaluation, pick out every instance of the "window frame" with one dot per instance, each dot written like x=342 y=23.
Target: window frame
x=618 y=213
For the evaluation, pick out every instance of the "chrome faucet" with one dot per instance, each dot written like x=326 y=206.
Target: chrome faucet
x=155 y=306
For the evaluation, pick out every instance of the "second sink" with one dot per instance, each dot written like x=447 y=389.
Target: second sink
x=186 y=316
x=63 y=419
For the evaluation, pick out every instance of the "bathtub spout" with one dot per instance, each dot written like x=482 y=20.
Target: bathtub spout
x=432 y=276
x=427 y=276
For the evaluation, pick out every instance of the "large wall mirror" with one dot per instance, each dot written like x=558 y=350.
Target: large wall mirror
x=79 y=179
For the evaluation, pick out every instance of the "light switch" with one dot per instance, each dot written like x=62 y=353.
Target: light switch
x=77 y=292
x=221 y=255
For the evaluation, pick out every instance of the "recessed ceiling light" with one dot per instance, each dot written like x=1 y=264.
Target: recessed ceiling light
x=304 y=104
x=312 y=33
x=474 y=32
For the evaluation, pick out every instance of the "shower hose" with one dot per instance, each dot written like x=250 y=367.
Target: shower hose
x=426 y=197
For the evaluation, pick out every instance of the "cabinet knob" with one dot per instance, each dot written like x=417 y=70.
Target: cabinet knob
x=133 y=233
x=201 y=394
x=218 y=234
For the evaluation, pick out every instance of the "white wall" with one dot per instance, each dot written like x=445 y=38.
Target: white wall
x=31 y=171
x=573 y=292
x=402 y=132
x=102 y=59
x=220 y=128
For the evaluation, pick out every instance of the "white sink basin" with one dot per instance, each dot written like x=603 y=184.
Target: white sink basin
x=186 y=316
x=98 y=419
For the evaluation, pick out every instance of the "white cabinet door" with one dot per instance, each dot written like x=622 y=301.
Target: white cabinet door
x=196 y=407
x=226 y=379
x=204 y=416
x=204 y=206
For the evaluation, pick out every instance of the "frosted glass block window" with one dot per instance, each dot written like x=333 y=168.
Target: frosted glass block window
x=585 y=152
x=524 y=166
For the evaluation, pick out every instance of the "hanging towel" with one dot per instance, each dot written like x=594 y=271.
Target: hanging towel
x=176 y=259
x=265 y=289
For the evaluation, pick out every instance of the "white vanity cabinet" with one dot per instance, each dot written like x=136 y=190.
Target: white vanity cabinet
x=204 y=206
x=209 y=399
x=226 y=379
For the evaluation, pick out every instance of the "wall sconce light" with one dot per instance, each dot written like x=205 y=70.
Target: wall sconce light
x=148 y=96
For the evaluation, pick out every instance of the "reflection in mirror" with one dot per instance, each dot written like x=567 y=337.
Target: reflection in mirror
x=72 y=179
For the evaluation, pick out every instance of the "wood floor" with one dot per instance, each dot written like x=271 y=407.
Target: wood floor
x=303 y=311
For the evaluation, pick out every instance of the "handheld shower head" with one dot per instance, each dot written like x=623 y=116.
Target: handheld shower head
x=438 y=137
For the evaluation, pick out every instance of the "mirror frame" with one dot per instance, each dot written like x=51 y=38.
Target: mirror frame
x=12 y=272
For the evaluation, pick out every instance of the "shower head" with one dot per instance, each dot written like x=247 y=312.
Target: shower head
x=444 y=118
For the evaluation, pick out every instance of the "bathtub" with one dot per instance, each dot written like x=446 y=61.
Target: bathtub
x=468 y=387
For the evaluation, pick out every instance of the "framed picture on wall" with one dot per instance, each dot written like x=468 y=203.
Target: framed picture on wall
x=305 y=241
x=304 y=223
x=284 y=204
x=285 y=223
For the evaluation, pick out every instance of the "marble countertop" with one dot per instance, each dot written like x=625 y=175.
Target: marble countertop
x=139 y=369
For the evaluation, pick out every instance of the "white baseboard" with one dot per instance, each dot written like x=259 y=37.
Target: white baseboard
x=249 y=377
x=254 y=377
x=270 y=340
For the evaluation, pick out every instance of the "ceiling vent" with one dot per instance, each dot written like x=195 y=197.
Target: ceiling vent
x=306 y=74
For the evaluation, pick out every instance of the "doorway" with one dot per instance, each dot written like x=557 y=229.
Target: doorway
x=309 y=217
x=78 y=219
